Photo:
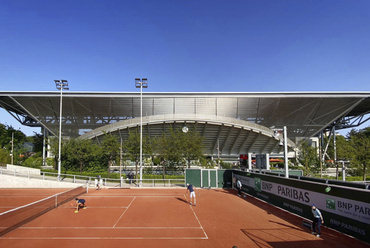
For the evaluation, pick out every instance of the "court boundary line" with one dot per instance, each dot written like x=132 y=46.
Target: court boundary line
x=124 y=212
x=200 y=227
x=120 y=196
x=102 y=238
x=123 y=227
x=191 y=207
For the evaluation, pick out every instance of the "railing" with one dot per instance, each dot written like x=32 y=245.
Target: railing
x=91 y=181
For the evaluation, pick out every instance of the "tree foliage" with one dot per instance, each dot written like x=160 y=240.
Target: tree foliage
x=177 y=148
x=110 y=148
x=78 y=152
x=360 y=150
x=131 y=147
x=191 y=146
x=308 y=157
x=172 y=149
x=354 y=148
x=6 y=133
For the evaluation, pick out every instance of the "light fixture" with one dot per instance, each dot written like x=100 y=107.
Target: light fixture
x=60 y=85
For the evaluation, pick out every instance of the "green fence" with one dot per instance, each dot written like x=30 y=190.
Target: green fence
x=209 y=178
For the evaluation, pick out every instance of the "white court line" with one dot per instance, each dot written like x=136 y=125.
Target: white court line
x=100 y=238
x=115 y=238
x=198 y=221
x=124 y=212
x=115 y=196
x=124 y=227
x=88 y=207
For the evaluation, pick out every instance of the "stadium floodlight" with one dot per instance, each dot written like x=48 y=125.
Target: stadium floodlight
x=141 y=83
x=60 y=85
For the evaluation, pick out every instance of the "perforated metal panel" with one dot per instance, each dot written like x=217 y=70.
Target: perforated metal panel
x=216 y=114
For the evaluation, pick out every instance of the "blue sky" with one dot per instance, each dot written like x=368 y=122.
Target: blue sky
x=185 y=45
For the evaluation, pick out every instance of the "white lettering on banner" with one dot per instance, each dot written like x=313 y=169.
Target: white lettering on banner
x=293 y=193
x=356 y=210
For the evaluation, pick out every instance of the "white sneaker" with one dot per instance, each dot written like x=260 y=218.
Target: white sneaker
x=313 y=233
x=318 y=235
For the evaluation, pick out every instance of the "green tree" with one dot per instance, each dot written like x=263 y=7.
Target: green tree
x=191 y=144
x=6 y=133
x=167 y=147
x=177 y=148
x=53 y=144
x=308 y=157
x=4 y=156
x=131 y=147
x=37 y=140
x=34 y=161
x=77 y=152
x=343 y=149
x=110 y=146
x=360 y=152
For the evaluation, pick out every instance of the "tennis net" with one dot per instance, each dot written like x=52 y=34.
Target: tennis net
x=19 y=216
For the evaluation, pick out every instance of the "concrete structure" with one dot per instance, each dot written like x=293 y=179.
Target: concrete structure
x=232 y=123
x=14 y=176
x=7 y=181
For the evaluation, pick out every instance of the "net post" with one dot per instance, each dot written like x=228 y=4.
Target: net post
x=87 y=187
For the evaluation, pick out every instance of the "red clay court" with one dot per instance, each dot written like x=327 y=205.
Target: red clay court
x=162 y=218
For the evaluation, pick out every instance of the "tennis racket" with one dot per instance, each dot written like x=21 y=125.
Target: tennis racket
x=72 y=204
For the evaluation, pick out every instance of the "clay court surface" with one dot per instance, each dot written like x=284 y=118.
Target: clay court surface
x=162 y=218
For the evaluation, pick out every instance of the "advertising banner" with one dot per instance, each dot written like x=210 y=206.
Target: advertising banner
x=347 y=215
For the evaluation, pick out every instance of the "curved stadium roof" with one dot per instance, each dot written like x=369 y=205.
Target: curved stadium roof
x=234 y=122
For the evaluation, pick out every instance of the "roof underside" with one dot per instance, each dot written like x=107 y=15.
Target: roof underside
x=304 y=114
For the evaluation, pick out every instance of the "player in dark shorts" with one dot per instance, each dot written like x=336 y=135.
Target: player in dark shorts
x=80 y=203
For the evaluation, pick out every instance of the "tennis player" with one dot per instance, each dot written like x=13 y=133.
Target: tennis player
x=98 y=184
x=80 y=203
x=317 y=220
x=191 y=189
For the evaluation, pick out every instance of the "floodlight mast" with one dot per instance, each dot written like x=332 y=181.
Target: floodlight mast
x=141 y=83
x=285 y=143
x=286 y=153
x=60 y=85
